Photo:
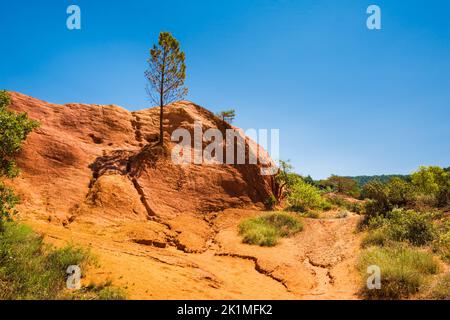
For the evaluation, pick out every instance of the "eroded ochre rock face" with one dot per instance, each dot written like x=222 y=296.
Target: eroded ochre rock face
x=92 y=163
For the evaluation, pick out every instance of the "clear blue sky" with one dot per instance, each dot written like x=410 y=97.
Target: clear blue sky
x=347 y=100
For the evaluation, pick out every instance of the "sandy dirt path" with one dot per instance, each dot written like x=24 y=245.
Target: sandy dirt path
x=318 y=263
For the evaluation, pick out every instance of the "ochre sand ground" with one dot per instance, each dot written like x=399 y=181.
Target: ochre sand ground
x=317 y=263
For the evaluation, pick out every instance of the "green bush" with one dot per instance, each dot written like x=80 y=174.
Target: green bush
x=433 y=181
x=29 y=269
x=311 y=214
x=401 y=225
x=14 y=129
x=356 y=207
x=326 y=206
x=376 y=237
x=26 y=266
x=304 y=197
x=271 y=202
x=441 y=245
x=7 y=202
x=414 y=227
x=400 y=192
x=403 y=271
x=112 y=293
x=103 y=291
x=266 y=229
x=379 y=203
x=441 y=291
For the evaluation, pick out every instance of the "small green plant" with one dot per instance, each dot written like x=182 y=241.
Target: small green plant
x=7 y=202
x=342 y=214
x=404 y=271
x=311 y=214
x=271 y=202
x=326 y=206
x=112 y=293
x=102 y=291
x=377 y=237
x=266 y=229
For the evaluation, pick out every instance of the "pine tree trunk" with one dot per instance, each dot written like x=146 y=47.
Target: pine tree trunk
x=161 y=129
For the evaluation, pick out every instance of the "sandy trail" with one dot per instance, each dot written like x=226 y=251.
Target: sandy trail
x=318 y=263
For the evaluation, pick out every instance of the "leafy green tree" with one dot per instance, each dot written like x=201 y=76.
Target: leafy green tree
x=14 y=129
x=166 y=75
x=433 y=181
x=309 y=180
x=378 y=193
x=342 y=185
x=400 y=192
x=284 y=180
x=227 y=115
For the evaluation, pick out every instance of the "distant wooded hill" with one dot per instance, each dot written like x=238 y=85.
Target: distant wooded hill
x=362 y=180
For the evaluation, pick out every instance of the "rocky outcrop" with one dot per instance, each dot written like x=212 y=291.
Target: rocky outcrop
x=95 y=163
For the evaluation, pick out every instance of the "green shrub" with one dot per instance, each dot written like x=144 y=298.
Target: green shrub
x=342 y=214
x=103 y=291
x=403 y=271
x=326 y=206
x=400 y=225
x=112 y=293
x=266 y=229
x=29 y=269
x=400 y=192
x=310 y=214
x=414 y=227
x=25 y=266
x=441 y=245
x=377 y=237
x=433 y=181
x=304 y=197
x=7 y=202
x=379 y=203
x=14 y=129
x=340 y=202
x=271 y=202
x=385 y=196
x=356 y=207
x=441 y=291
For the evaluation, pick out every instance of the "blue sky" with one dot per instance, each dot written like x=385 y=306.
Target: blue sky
x=347 y=100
